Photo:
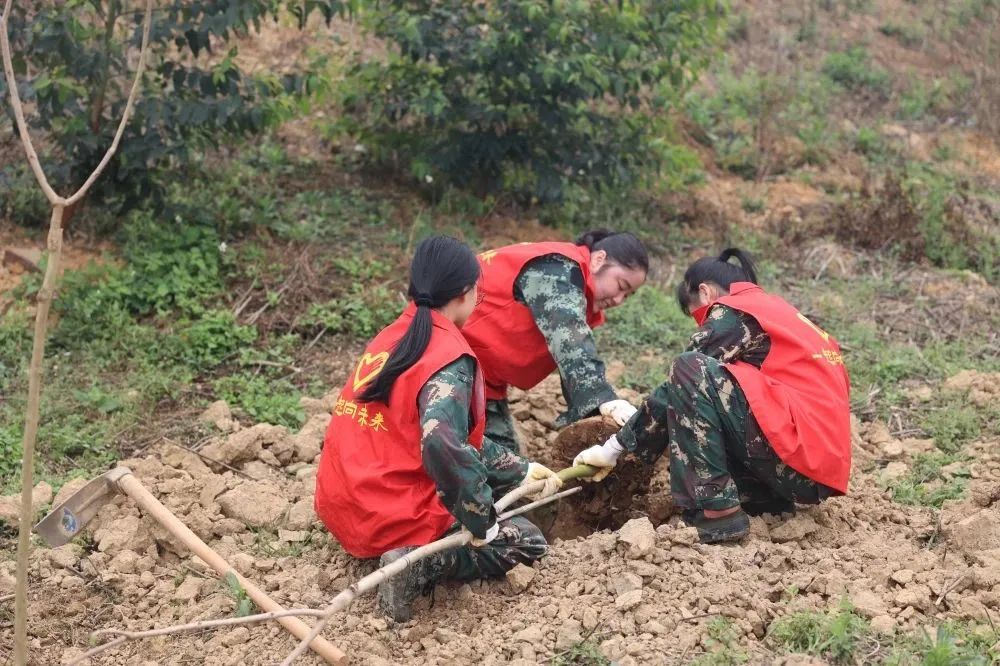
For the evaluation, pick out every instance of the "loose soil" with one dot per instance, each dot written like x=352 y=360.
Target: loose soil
x=645 y=593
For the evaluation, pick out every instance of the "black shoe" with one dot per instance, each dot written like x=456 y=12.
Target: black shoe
x=733 y=527
x=396 y=594
x=774 y=506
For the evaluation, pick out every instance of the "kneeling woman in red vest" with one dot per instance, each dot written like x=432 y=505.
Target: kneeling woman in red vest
x=755 y=415
x=540 y=302
x=404 y=460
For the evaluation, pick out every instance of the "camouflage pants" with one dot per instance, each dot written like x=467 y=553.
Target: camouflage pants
x=500 y=425
x=719 y=457
x=519 y=542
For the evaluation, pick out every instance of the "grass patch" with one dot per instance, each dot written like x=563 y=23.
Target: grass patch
x=648 y=325
x=953 y=644
x=585 y=653
x=833 y=636
x=952 y=425
x=722 y=645
x=926 y=484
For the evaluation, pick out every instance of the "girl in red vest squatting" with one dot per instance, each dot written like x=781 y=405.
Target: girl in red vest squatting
x=540 y=302
x=404 y=460
x=755 y=413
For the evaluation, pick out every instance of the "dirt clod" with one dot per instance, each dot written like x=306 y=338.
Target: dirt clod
x=639 y=537
x=520 y=577
x=255 y=504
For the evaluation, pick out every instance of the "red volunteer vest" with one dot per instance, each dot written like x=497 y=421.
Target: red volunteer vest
x=800 y=395
x=502 y=332
x=372 y=491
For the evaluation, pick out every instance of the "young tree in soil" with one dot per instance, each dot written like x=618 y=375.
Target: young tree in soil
x=44 y=302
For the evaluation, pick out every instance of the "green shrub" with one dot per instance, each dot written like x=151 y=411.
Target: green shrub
x=743 y=112
x=170 y=266
x=854 y=70
x=82 y=56
x=869 y=142
x=23 y=201
x=362 y=312
x=209 y=340
x=921 y=99
x=524 y=95
x=908 y=34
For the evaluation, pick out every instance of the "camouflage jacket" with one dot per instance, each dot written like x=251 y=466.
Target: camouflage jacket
x=727 y=335
x=552 y=288
x=731 y=335
x=466 y=479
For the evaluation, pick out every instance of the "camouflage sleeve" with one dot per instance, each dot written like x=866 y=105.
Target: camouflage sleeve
x=729 y=335
x=645 y=434
x=552 y=288
x=504 y=468
x=457 y=469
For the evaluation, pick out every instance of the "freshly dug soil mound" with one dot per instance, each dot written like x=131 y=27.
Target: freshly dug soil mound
x=603 y=505
x=632 y=490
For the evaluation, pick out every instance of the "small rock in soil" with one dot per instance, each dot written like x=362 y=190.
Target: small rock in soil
x=639 y=536
x=520 y=577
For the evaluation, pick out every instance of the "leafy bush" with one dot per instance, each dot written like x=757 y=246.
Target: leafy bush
x=854 y=70
x=169 y=266
x=209 y=340
x=362 y=312
x=75 y=65
x=908 y=34
x=525 y=95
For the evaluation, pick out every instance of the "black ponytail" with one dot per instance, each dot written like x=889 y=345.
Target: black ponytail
x=442 y=269
x=622 y=247
x=717 y=270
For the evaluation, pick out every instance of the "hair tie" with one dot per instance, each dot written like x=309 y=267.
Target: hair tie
x=423 y=300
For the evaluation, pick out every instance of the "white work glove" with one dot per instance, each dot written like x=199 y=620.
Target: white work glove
x=490 y=535
x=538 y=472
x=619 y=410
x=603 y=456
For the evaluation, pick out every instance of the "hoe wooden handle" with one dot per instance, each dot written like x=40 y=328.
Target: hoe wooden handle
x=132 y=487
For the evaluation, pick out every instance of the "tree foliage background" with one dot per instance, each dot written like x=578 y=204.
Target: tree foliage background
x=525 y=95
x=73 y=59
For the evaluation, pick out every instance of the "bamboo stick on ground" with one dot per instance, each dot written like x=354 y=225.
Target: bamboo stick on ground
x=366 y=584
x=372 y=580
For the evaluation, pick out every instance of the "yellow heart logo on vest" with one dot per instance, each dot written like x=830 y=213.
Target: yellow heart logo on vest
x=370 y=364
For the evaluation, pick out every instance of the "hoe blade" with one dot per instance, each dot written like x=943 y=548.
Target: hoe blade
x=69 y=518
